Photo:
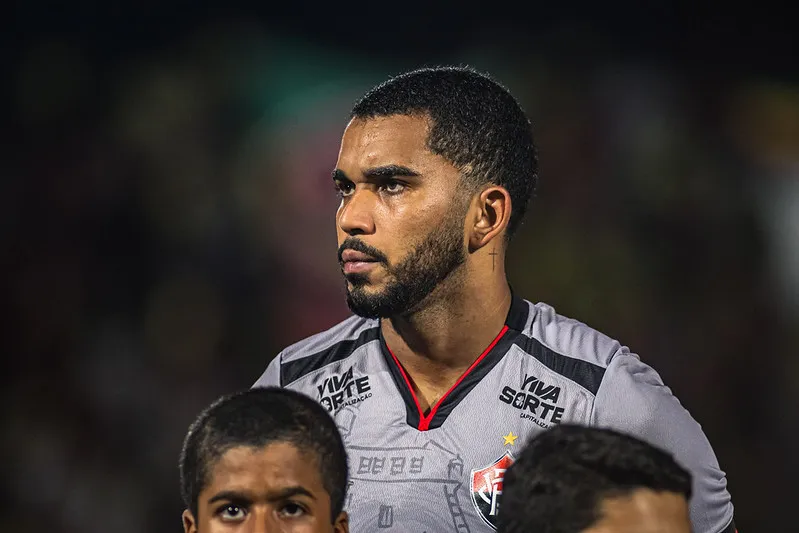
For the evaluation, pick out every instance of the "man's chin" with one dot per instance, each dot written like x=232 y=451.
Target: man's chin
x=363 y=311
x=367 y=303
x=361 y=292
x=356 y=281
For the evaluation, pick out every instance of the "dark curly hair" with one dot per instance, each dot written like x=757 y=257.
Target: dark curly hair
x=258 y=417
x=476 y=124
x=561 y=477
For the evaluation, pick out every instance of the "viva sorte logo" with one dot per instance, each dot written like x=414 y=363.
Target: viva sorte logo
x=340 y=390
x=536 y=400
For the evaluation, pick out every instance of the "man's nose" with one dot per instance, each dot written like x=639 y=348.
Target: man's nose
x=355 y=215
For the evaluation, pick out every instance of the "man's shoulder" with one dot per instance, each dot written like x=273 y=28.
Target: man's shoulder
x=326 y=347
x=568 y=346
x=346 y=330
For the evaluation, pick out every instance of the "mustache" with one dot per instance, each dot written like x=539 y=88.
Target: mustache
x=351 y=243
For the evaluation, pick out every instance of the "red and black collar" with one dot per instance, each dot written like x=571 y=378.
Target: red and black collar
x=435 y=417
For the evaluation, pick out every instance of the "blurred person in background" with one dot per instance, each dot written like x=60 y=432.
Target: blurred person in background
x=264 y=460
x=578 y=479
x=444 y=367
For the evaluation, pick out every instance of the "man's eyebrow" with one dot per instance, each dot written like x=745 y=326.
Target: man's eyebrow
x=389 y=171
x=382 y=172
x=340 y=175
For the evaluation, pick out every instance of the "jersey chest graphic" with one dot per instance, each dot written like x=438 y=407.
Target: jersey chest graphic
x=407 y=480
x=397 y=486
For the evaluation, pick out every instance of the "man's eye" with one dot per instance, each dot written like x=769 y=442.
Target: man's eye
x=232 y=513
x=292 y=510
x=344 y=189
x=393 y=187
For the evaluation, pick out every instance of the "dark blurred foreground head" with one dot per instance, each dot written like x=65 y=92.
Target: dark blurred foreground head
x=574 y=479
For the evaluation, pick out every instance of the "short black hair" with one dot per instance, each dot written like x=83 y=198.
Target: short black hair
x=476 y=124
x=560 y=479
x=257 y=418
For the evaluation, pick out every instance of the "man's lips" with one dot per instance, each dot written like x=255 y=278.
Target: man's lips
x=357 y=262
x=348 y=256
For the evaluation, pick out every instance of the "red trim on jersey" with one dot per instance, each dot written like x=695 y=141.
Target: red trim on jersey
x=424 y=421
x=408 y=383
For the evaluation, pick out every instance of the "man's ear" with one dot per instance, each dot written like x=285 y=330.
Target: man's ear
x=342 y=523
x=492 y=215
x=189 y=523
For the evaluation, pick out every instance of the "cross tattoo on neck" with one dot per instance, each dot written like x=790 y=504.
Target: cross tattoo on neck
x=492 y=254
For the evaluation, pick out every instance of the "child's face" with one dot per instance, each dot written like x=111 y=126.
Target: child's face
x=276 y=488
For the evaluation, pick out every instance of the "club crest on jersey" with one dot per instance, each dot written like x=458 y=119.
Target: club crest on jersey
x=486 y=488
x=343 y=389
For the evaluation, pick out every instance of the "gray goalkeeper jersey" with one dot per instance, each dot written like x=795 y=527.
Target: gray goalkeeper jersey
x=415 y=472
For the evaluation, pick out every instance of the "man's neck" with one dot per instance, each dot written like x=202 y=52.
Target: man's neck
x=437 y=344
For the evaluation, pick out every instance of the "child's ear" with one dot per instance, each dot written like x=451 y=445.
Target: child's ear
x=342 y=523
x=189 y=523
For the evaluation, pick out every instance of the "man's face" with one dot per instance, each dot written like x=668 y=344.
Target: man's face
x=400 y=224
x=644 y=511
x=263 y=490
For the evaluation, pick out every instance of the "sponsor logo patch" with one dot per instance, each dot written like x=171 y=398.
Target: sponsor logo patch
x=536 y=400
x=344 y=389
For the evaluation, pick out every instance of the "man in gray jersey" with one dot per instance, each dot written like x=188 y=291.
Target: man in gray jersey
x=444 y=372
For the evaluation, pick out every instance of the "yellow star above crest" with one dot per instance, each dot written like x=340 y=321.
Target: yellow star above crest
x=510 y=438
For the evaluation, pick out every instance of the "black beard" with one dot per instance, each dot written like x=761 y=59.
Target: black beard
x=414 y=278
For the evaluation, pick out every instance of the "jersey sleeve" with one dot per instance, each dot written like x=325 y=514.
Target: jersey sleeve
x=633 y=399
x=271 y=376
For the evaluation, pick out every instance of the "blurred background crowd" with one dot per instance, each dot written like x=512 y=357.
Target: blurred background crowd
x=167 y=218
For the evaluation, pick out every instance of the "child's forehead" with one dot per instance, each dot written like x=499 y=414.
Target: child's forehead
x=247 y=456
x=273 y=465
